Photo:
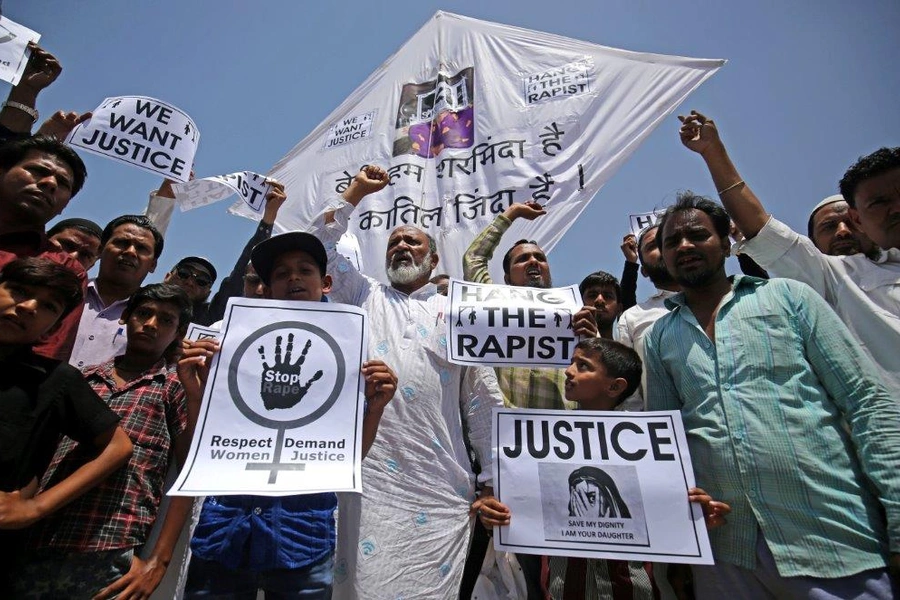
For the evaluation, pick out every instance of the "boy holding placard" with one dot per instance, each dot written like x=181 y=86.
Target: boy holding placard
x=602 y=375
x=281 y=545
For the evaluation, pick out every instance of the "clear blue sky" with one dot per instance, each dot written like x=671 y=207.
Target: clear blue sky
x=809 y=87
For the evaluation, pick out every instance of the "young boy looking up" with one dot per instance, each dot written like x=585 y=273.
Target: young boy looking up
x=89 y=549
x=283 y=545
x=42 y=400
x=602 y=374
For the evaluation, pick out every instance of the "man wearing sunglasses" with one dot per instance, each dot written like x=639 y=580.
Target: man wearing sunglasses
x=195 y=275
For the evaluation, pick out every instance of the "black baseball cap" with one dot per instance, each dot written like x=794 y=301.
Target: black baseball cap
x=200 y=261
x=264 y=253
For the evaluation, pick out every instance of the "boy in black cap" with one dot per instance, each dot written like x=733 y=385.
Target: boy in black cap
x=286 y=544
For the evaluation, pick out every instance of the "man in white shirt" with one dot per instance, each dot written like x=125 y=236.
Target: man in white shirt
x=864 y=292
x=408 y=532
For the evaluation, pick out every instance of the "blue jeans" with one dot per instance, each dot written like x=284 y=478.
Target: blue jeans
x=209 y=580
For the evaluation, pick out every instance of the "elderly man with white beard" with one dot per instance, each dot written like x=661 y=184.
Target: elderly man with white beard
x=407 y=534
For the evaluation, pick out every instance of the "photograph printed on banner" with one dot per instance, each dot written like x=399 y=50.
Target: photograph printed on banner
x=436 y=114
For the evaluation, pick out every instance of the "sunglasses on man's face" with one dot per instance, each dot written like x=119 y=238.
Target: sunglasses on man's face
x=201 y=279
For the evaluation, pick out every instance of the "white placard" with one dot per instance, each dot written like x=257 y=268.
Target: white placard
x=197 y=332
x=282 y=410
x=597 y=485
x=641 y=221
x=350 y=129
x=14 y=52
x=141 y=131
x=250 y=186
x=502 y=325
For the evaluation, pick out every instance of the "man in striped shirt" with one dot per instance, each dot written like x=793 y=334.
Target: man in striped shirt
x=766 y=377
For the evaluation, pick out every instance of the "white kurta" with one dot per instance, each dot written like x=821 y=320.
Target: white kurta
x=407 y=534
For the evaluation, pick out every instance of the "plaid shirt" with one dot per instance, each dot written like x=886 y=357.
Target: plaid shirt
x=120 y=511
x=522 y=387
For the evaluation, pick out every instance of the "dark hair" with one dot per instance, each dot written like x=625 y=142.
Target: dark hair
x=619 y=360
x=507 y=258
x=439 y=276
x=600 y=278
x=84 y=225
x=139 y=220
x=13 y=152
x=640 y=240
x=688 y=200
x=871 y=165
x=43 y=272
x=162 y=292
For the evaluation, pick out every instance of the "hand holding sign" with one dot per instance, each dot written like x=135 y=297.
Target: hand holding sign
x=381 y=383
x=42 y=69
x=279 y=385
x=60 y=124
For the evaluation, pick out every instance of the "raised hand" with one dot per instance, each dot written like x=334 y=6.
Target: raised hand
x=60 y=124
x=369 y=180
x=698 y=133
x=629 y=248
x=524 y=210
x=280 y=383
x=42 y=69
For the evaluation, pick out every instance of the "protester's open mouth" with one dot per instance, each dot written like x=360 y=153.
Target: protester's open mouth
x=532 y=272
x=128 y=264
x=296 y=291
x=689 y=260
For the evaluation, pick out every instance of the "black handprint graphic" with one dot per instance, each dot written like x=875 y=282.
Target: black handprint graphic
x=280 y=383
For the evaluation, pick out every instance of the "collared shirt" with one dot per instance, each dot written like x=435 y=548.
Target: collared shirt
x=120 y=511
x=43 y=400
x=865 y=293
x=764 y=406
x=522 y=387
x=24 y=244
x=100 y=335
x=632 y=326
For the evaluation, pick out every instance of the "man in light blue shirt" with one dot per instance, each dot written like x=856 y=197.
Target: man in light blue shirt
x=765 y=376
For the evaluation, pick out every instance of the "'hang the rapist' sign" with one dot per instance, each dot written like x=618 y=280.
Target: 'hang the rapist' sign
x=501 y=325
x=143 y=132
x=597 y=485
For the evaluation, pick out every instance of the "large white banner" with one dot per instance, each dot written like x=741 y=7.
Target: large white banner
x=471 y=116
x=140 y=131
x=14 y=53
x=502 y=325
x=597 y=485
x=282 y=410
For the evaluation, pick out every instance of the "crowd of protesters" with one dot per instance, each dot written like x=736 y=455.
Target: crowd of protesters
x=787 y=377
